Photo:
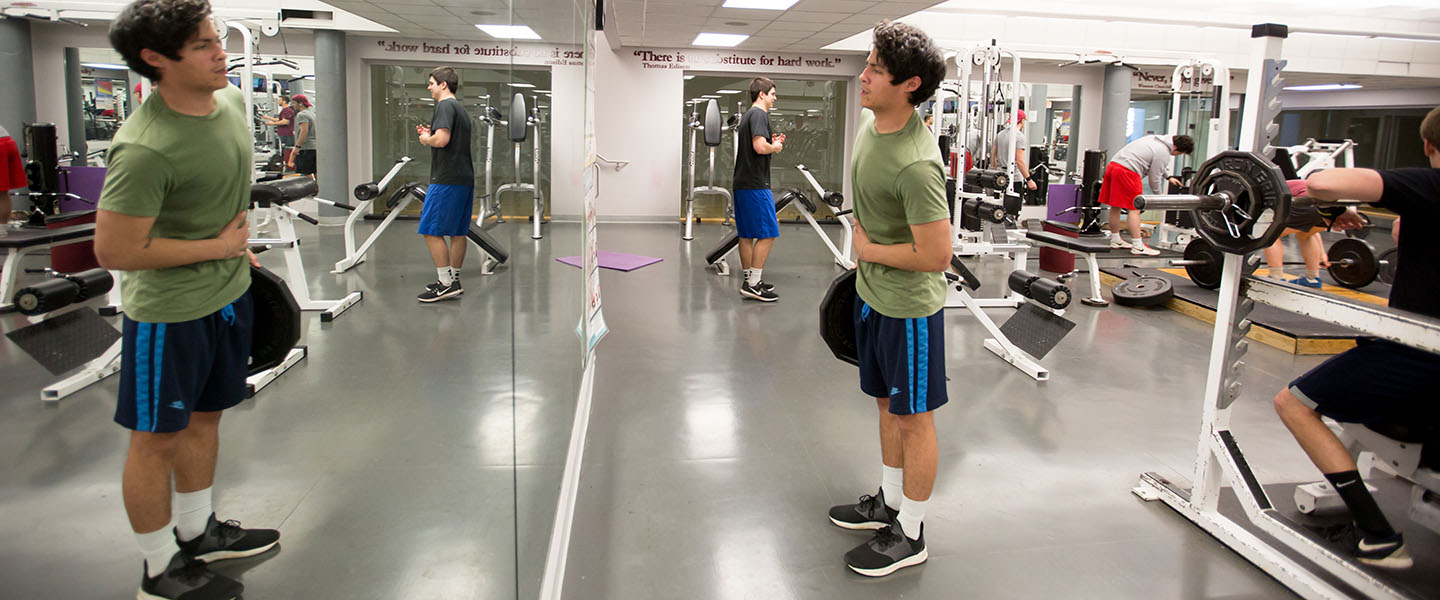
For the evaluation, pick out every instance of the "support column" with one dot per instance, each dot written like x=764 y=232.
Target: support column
x=75 y=103
x=332 y=144
x=17 y=96
x=1072 y=159
x=1038 y=127
x=1114 y=109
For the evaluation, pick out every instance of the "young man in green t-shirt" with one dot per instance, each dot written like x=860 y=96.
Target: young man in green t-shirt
x=902 y=245
x=172 y=215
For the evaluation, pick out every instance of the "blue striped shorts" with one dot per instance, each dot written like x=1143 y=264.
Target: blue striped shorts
x=902 y=359
x=168 y=370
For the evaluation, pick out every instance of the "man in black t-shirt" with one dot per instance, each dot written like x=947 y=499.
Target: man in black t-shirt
x=1377 y=381
x=755 y=220
x=450 y=196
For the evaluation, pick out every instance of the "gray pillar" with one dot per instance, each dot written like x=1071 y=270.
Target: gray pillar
x=132 y=79
x=1038 y=127
x=1072 y=160
x=1114 y=109
x=332 y=146
x=17 y=95
x=74 y=103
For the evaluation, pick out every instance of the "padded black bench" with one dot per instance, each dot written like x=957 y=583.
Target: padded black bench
x=1085 y=247
x=19 y=242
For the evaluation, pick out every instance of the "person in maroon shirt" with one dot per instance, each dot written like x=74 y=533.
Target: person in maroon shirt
x=284 y=124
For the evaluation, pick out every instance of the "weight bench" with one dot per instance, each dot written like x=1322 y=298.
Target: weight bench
x=1083 y=247
x=1036 y=327
x=279 y=194
x=17 y=243
x=1395 y=449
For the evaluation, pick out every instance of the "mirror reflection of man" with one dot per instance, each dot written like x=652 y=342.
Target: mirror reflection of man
x=755 y=221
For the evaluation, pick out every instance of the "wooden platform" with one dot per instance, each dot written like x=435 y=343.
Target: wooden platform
x=1273 y=327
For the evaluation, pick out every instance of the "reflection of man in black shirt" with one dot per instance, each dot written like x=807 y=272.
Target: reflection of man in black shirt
x=1377 y=382
x=451 y=193
x=755 y=220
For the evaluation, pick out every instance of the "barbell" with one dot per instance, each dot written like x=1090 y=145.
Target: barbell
x=1353 y=263
x=1233 y=191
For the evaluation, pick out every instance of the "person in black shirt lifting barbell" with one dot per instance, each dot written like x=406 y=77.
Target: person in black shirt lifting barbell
x=1377 y=381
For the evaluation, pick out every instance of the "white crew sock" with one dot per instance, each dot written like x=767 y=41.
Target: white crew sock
x=443 y=273
x=752 y=277
x=1277 y=272
x=158 y=547
x=192 y=513
x=1312 y=274
x=912 y=517
x=455 y=273
x=892 y=485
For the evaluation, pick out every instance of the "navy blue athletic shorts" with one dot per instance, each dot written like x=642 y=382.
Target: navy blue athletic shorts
x=168 y=370
x=903 y=359
x=755 y=215
x=1376 y=382
x=447 y=210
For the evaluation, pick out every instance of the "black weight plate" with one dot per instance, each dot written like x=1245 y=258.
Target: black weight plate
x=1143 y=291
x=1258 y=186
x=837 y=318
x=1353 y=263
x=276 y=323
x=1389 y=259
x=1205 y=275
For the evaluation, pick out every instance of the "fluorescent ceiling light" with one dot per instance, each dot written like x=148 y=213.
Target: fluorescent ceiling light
x=105 y=66
x=521 y=85
x=727 y=91
x=1322 y=87
x=711 y=96
x=760 y=4
x=689 y=77
x=727 y=40
x=510 y=32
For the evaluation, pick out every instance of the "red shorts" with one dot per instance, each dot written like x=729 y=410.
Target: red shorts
x=12 y=173
x=1120 y=187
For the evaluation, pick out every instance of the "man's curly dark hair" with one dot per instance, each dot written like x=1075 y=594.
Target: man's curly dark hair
x=907 y=52
x=160 y=25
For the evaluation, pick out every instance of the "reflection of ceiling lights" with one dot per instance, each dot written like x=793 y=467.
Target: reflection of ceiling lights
x=689 y=77
x=760 y=4
x=812 y=110
x=712 y=96
x=521 y=85
x=510 y=32
x=726 y=40
x=105 y=66
x=727 y=91
x=1323 y=87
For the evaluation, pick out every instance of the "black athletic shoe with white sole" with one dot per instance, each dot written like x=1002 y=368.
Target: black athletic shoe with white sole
x=1386 y=554
x=187 y=579
x=887 y=552
x=437 y=291
x=759 y=292
x=224 y=540
x=869 y=513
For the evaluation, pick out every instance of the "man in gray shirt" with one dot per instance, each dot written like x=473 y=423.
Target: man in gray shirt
x=303 y=161
x=1149 y=156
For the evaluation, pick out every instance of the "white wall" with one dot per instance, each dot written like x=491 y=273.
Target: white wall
x=1362 y=98
x=639 y=111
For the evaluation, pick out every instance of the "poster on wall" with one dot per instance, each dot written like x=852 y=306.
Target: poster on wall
x=592 y=319
x=771 y=62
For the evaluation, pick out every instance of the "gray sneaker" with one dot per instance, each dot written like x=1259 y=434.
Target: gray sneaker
x=887 y=552
x=187 y=579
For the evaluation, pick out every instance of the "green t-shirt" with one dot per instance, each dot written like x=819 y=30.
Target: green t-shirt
x=193 y=175
x=898 y=181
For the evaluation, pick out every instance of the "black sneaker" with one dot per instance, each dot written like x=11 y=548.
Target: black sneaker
x=887 y=552
x=764 y=285
x=438 y=291
x=228 y=540
x=187 y=579
x=758 y=293
x=869 y=513
x=1386 y=554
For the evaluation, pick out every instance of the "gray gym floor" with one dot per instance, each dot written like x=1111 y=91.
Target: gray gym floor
x=395 y=459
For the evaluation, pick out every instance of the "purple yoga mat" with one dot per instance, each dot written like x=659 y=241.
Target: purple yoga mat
x=618 y=261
